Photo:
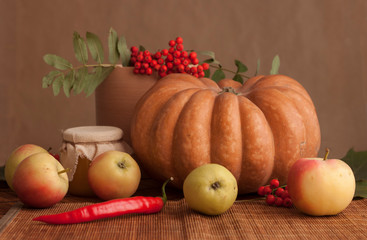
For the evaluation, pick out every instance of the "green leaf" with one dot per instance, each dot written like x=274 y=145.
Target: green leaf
x=112 y=46
x=218 y=75
x=240 y=66
x=68 y=83
x=207 y=73
x=238 y=78
x=275 y=65
x=105 y=72
x=57 y=62
x=47 y=80
x=206 y=53
x=358 y=163
x=361 y=189
x=80 y=80
x=209 y=60
x=124 y=51
x=80 y=48
x=95 y=47
x=210 y=54
x=57 y=84
x=141 y=48
x=257 y=67
x=96 y=78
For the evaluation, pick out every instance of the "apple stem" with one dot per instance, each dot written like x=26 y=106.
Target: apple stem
x=215 y=185
x=326 y=153
x=64 y=171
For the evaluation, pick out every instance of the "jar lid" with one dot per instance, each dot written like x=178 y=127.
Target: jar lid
x=87 y=134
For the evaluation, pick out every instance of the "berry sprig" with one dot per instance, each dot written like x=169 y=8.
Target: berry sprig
x=92 y=68
x=275 y=195
x=172 y=60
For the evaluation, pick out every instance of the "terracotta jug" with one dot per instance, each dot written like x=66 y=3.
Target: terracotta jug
x=117 y=96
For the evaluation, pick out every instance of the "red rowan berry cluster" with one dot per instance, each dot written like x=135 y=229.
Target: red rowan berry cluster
x=172 y=60
x=275 y=195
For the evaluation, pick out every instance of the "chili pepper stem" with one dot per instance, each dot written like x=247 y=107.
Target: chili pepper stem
x=164 y=195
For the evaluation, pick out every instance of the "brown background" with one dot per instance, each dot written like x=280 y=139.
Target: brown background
x=322 y=44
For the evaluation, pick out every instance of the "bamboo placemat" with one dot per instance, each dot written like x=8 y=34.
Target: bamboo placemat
x=245 y=220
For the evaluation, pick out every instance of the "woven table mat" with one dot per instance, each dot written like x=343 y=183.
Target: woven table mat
x=245 y=220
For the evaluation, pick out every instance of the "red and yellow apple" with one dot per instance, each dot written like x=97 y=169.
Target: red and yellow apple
x=40 y=181
x=114 y=174
x=321 y=186
x=18 y=155
x=210 y=189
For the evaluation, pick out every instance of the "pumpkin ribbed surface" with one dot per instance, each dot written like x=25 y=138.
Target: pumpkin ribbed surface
x=257 y=130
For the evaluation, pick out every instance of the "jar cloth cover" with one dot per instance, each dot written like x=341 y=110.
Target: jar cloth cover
x=88 y=142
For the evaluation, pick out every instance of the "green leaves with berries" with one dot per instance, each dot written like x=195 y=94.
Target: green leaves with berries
x=87 y=75
x=91 y=69
x=241 y=68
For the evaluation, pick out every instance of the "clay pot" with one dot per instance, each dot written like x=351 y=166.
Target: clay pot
x=117 y=96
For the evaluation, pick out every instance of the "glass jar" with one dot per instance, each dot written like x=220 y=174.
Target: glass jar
x=80 y=146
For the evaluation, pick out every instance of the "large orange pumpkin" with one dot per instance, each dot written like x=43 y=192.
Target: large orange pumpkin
x=257 y=130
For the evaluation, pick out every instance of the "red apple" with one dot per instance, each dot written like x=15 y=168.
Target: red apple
x=114 y=174
x=18 y=155
x=321 y=186
x=40 y=181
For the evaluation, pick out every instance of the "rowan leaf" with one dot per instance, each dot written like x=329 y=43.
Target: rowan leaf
x=275 y=65
x=96 y=78
x=257 y=67
x=68 y=83
x=141 y=48
x=124 y=51
x=80 y=48
x=47 y=80
x=218 y=75
x=240 y=66
x=209 y=60
x=57 y=62
x=112 y=46
x=80 y=80
x=207 y=73
x=207 y=53
x=238 y=78
x=57 y=84
x=95 y=47
x=210 y=54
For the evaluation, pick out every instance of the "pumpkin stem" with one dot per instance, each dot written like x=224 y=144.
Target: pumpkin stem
x=228 y=89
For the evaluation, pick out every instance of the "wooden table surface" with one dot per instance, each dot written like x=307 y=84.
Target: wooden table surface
x=147 y=187
x=245 y=220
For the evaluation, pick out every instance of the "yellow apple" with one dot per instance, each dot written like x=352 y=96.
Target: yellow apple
x=40 y=181
x=114 y=174
x=321 y=186
x=210 y=189
x=18 y=155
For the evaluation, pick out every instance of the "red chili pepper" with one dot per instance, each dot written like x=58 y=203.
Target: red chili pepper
x=112 y=208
